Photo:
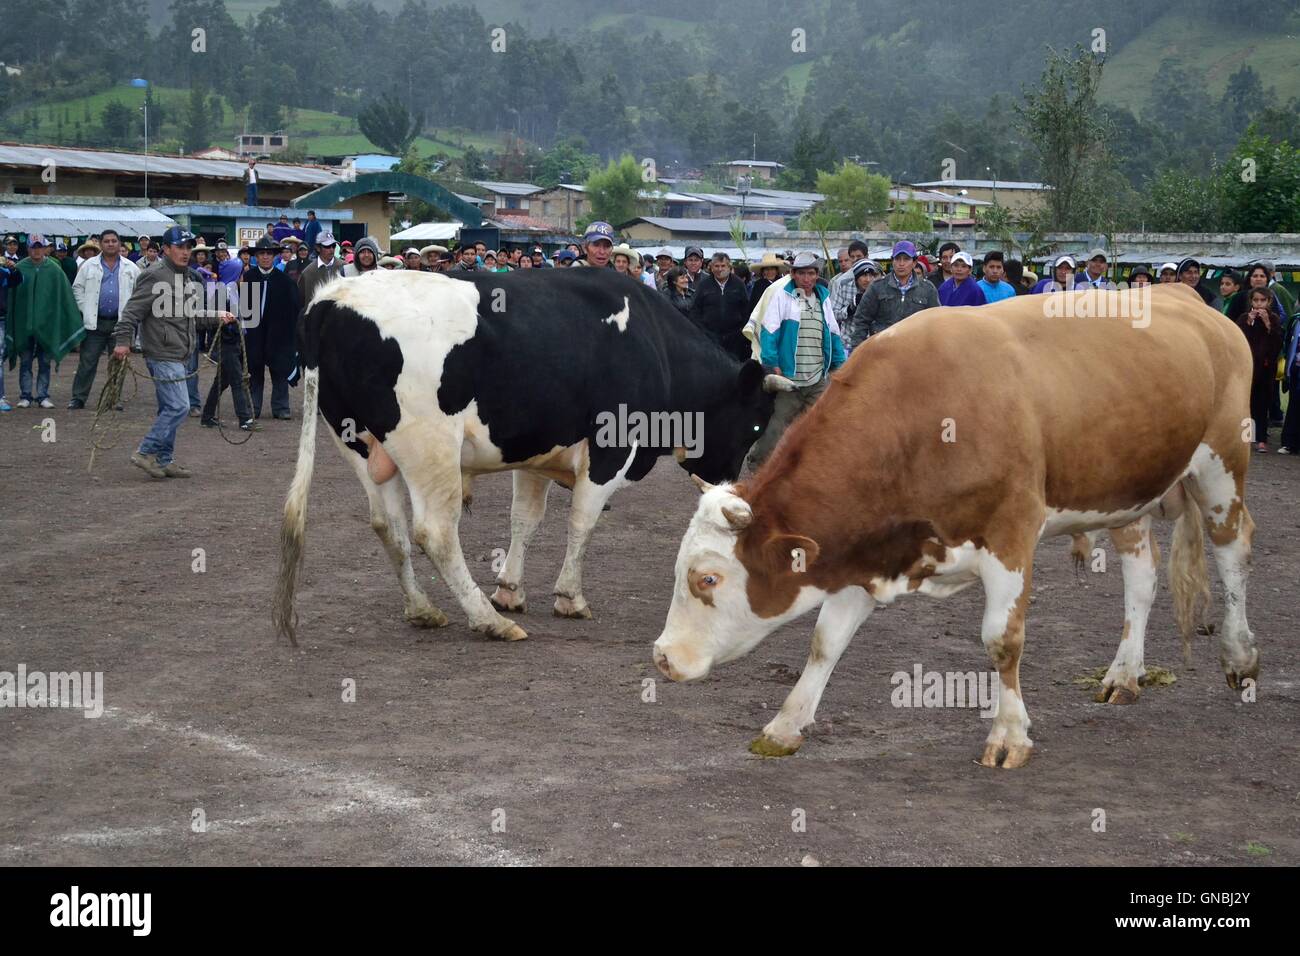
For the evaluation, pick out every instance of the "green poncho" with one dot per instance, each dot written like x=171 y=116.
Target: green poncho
x=42 y=308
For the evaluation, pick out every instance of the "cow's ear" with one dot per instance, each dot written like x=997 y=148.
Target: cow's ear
x=751 y=377
x=793 y=553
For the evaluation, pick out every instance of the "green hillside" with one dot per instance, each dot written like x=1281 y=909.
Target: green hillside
x=317 y=133
x=1214 y=51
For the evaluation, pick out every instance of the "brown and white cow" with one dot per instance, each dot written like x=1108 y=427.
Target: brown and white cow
x=940 y=455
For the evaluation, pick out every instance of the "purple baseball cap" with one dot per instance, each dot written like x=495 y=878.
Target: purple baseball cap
x=597 y=231
x=904 y=247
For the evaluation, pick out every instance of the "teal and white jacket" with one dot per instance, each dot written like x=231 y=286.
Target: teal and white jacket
x=780 y=332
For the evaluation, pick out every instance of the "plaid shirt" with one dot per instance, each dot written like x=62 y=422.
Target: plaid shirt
x=841 y=290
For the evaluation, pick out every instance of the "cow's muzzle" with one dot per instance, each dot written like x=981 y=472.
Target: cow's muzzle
x=678 y=665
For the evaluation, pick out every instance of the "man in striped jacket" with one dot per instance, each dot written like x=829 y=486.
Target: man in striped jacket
x=799 y=340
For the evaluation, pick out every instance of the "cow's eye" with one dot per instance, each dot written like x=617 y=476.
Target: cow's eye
x=758 y=428
x=708 y=580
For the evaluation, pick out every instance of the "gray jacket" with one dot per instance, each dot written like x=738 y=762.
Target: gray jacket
x=885 y=304
x=316 y=275
x=167 y=306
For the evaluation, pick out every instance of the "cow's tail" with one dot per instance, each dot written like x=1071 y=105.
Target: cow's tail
x=294 y=526
x=1188 y=578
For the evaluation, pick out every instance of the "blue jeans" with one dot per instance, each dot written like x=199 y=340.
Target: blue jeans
x=173 y=409
x=25 y=358
x=192 y=386
x=2 y=358
x=250 y=195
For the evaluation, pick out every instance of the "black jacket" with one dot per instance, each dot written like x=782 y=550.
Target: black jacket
x=722 y=312
x=682 y=303
x=756 y=292
x=271 y=341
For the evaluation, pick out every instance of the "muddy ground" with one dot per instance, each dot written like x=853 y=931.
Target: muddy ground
x=550 y=738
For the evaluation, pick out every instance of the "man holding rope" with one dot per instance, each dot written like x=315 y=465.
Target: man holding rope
x=167 y=306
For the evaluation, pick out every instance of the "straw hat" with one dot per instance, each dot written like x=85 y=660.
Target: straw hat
x=623 y=249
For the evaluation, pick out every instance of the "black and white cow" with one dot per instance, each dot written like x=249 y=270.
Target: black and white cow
x=427 y=380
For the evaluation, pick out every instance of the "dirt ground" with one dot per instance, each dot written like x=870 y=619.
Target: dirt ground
x=458 y=749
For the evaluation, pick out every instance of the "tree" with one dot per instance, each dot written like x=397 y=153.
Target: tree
x=613 y=192
x=1177 y=201
x=854 y=197
x=216 y=113
x=116 y=118
x=808 y=156
x=1061 y=121
x=471 y=164
x=1262 y=185
x=197 y=130
x=388 y=124
x=910 y=216
x=567 y=161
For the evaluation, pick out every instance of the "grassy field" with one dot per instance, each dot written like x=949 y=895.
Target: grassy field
x=1213 y=52
x=319 y=133
x=798 y=76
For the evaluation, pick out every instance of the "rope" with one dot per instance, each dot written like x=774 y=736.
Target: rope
x=105 y=433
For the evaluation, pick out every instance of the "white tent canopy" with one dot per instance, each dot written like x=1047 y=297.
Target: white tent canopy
x=429 y=232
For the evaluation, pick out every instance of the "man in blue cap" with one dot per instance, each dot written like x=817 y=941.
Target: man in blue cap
x=892 y=299
x=167 y=307
x=597 y=245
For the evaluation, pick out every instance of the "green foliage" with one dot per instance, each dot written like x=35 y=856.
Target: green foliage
x=809 y=155
x=567 y=161
x=613 y=191
x=854 y=197
x=471 y=165
x=910 y=216
x=198 y=117
x=1068 y=134
x=1178 y=201
x=1262 y=185
x=117 y=122
x=388 y=124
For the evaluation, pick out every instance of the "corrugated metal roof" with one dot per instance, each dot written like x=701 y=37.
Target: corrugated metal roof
x=240 y=211
x=12 y=154
x=983 y=184
x=643 y=194
x=709 y=225
x=788 y=194
x=76 y=220
x=753 y=202
x=507 y=189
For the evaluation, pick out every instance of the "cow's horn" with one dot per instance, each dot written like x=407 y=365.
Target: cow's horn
x=700 y=483
x=738 y=518
x=777 y=383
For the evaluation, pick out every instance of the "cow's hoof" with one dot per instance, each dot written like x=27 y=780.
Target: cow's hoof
x=568 y=607
x=1117 y=694
x=767 y=746
x=506 y=630
x=1237 y=675
x=1006 y=756
x=428 y=616
x=503 y=599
